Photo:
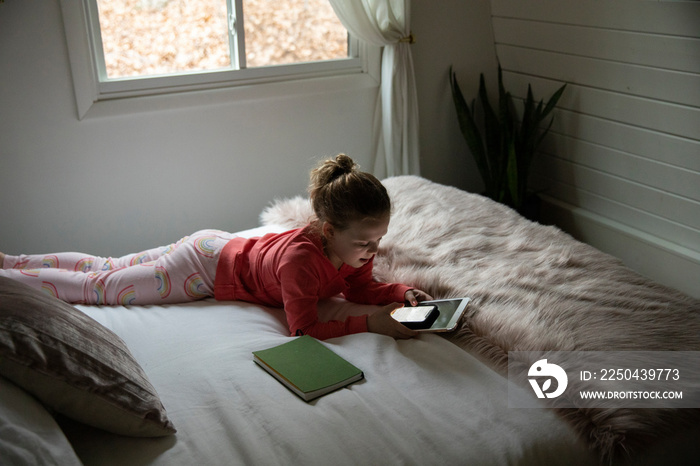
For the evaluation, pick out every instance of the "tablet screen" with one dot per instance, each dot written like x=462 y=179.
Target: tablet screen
x=451 y=311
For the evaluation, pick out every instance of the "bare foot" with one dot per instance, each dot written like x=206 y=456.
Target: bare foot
x=2 y=259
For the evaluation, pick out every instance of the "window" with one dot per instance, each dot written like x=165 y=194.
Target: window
x=130 y=48
x=158 y=37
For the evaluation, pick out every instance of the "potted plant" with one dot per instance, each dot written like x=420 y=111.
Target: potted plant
x=504 y=151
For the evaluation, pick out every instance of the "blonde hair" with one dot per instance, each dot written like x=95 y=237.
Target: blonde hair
x=340 y=193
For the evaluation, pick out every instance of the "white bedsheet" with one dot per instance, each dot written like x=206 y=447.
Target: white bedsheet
x=423 y=401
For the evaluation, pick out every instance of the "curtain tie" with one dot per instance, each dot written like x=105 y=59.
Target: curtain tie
x=409 y=39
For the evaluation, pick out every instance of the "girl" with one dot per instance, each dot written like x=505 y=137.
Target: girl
x=331 y=255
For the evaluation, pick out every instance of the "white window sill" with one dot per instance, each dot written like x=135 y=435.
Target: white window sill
x=238 y=93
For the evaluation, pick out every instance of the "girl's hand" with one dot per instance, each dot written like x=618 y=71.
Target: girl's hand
x=414 y=296
x=382 y=322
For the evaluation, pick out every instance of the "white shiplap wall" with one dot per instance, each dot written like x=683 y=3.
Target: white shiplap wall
x=621 y=164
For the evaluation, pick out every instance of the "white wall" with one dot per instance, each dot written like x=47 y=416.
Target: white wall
x=448 y=33
x=115 y=184
x=622 y=163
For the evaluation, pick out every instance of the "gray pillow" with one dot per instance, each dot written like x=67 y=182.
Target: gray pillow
x=74 y=365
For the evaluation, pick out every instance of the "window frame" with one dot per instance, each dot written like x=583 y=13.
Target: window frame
x=94 y=89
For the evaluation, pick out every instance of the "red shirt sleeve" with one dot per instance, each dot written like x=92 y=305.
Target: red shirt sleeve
x=303 y=279
x=364 y=289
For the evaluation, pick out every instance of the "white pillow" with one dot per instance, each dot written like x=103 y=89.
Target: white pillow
x=29 y=435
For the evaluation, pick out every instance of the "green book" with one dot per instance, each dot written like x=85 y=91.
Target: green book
x=307 y=367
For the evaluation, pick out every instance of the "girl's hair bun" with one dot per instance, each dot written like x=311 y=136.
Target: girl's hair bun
x=345 y=163
x=330 y=170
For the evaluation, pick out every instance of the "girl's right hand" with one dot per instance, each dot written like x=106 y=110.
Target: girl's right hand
x=382 y=322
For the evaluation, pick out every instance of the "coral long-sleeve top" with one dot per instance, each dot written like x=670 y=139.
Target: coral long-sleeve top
x=290 y=270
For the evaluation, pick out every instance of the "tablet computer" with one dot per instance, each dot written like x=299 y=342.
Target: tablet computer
x=451 y=311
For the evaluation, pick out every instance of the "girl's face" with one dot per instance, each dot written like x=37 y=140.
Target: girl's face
x=357 y=244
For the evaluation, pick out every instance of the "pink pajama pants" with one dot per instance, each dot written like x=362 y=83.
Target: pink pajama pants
x=180 y=272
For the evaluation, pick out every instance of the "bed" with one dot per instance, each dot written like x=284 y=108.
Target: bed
x=435 y=399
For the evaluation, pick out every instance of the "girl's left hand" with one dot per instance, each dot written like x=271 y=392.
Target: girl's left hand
x=414 y=296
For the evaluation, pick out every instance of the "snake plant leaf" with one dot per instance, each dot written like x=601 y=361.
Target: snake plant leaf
x=470 y=131
x=513 y=175
x=527 y=112
x=528 y=127
x=507 y=133
x=553 y=101
x=492 y=139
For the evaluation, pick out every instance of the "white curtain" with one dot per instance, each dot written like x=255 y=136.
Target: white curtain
x=387 y=23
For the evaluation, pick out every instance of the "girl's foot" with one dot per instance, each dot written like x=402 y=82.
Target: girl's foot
x=2 y=259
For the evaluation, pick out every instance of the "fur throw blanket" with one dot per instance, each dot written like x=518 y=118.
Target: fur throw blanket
x=533 y=288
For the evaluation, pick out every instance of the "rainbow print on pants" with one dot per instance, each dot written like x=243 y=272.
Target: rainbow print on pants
x=99 y=291
x=164 y=285
x=109 y=264
x=50 y=262
x=49 y=288
x=205 y=246
x=139 y=259
x=127 y=295
x=194 y=287
x=21 y=264
x=84 y=265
